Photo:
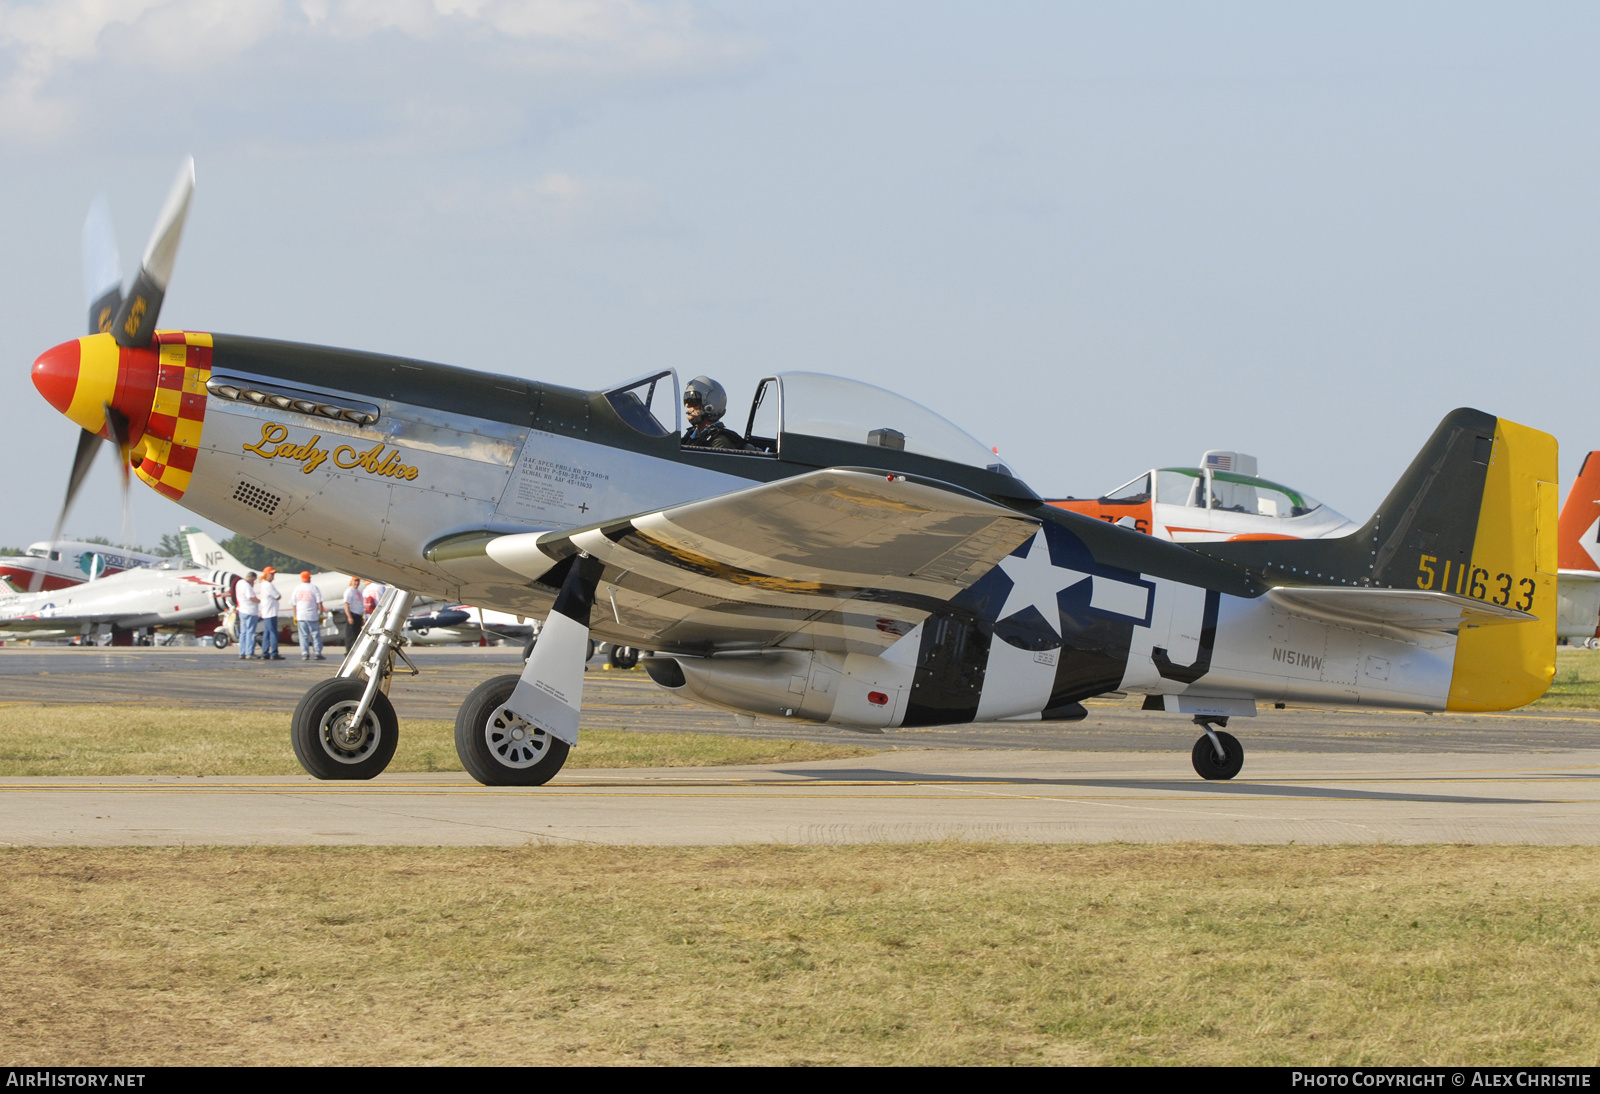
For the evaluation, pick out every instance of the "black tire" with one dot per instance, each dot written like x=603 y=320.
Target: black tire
x=624 y=657
x=322 y=747
x=220 y=640
x=589 y=654
x=499 y=749
x=1206 y=764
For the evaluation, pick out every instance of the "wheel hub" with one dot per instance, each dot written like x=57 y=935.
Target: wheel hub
x=343 y=738
x=513 y=740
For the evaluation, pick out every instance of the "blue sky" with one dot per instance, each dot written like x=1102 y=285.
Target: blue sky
x=1100 y=237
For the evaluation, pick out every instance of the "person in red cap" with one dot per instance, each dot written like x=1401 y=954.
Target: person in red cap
x=307 y=601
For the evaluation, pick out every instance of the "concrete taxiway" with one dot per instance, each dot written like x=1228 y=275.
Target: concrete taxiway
x=1311 y=776
x=912 y=795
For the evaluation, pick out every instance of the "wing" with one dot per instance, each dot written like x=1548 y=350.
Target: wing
x=1410 y=610
x=842 y=559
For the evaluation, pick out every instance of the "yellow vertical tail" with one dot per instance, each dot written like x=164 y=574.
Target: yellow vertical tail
x=1513 y=562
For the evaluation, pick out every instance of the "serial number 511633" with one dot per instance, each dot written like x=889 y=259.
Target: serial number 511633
x=1474 y=581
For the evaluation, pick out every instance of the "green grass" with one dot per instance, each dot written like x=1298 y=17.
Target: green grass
x=37 y=739
x=942 y=954
x=1577 y=680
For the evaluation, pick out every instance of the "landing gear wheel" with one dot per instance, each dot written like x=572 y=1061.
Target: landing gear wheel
x=624 y=657
x=220 y=640
x=327 y=743
x=1206 y=764
x=500 y=748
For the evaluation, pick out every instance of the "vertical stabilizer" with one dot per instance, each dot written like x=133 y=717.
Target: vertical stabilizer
x=1513 y=562
x=1475 y=515
x=207 y=553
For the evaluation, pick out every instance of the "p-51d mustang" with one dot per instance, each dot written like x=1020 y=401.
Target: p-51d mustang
x=860 y=562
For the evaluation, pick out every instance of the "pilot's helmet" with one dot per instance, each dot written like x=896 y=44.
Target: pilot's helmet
x=707 y=394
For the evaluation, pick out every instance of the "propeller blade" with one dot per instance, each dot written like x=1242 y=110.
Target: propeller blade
x=118 y=429
x=135 y=322
x=88 y=445
x=102 y=267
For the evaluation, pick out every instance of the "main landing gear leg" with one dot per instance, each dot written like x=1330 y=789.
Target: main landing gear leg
x=1217 y=755
x=345 y=728
x=516 y=730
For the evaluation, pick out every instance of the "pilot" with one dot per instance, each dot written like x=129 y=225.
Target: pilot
x=704 y=403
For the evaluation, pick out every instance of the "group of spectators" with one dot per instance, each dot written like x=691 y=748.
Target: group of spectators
x=257 y=601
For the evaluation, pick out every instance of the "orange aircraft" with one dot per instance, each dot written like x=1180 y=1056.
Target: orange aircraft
x=1578 y=556
x=1222 y=499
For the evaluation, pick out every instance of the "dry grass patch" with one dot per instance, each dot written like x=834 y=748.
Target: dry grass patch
x=928 y=955
x=37 y=739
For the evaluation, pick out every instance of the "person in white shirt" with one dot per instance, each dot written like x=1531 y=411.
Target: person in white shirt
x=355 y=610
x=307 y=601
x=268 y=592
x=249 y=606
x=371 y=594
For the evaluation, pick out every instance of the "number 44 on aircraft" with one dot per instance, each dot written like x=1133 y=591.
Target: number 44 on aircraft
x=852 y=558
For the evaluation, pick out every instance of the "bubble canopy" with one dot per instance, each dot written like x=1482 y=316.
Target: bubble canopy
x=832 y=407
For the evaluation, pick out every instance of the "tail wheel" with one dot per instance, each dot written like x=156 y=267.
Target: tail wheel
x=1206 y=763
x=498 y=747
x=330 y=744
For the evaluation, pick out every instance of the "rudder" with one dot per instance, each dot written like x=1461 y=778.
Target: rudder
x=1513 y=562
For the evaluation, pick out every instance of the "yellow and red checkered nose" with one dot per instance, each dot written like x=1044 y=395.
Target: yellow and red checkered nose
x=82 y=377
x=160 y=389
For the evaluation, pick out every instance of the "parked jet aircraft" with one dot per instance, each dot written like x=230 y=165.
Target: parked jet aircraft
x=862 y=561
x=67 y=562
x=172 y=595
x=453 y=624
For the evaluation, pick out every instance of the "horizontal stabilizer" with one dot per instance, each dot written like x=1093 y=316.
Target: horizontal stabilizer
x=1402 y=609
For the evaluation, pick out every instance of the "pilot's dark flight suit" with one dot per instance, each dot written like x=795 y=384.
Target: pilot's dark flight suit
x=713 y=435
